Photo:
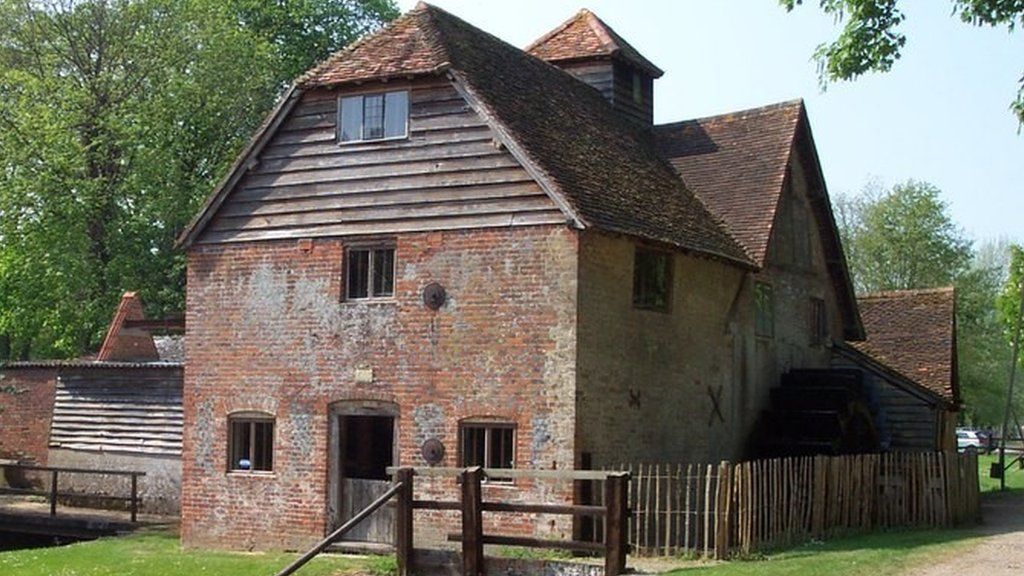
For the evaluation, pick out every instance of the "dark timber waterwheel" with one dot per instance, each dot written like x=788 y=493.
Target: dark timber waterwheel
x=817 y=412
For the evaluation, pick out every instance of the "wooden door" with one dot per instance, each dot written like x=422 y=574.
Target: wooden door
x=366 y=449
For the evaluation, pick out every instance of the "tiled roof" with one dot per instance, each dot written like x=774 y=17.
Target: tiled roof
x=587 y=36
x=914 y=332
x=737 y=164
x=98 y=365
x=607 y=170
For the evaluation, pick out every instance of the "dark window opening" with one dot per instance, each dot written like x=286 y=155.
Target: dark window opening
x=373 y=116
x=652 y=279
x=764 y=310
x=251 y=444
x=490 y=445
x=370 y=273
x=638 y=88
x=819 y=321
x=369 y=444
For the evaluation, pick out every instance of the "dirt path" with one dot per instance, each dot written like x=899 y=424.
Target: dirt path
x=1001 y=550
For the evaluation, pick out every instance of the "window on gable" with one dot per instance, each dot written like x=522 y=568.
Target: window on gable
x=819 y=321
x=373 y=116
x=487 y=444
x=370 y=273
x=652 y=279
x=251 y=443
x=764 y=310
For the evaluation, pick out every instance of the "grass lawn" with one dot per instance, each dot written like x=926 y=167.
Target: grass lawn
x=158 y=554
x=1014 y=476
x=879 y=554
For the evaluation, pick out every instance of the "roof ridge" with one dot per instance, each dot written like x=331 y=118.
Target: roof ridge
x=882 y=294
x=553 y=32
x=601 y=30
x=743 y=113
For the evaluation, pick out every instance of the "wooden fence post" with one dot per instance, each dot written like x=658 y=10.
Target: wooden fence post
x=53 y=493
x=135 y=497
x=723 y=510
x=403 y=521
x=472 y=522
x=616 y=494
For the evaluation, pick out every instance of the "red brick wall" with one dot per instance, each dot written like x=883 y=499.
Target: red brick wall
x=267 y=331
x=26 y=408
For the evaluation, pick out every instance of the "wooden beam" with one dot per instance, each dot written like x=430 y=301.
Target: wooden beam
x=472 y=522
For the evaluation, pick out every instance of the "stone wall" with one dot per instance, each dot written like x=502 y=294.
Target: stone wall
x=649 y=381
x=268 y=331
x=159 y=489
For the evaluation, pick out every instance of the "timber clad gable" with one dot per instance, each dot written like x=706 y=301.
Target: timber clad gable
x=450 y=173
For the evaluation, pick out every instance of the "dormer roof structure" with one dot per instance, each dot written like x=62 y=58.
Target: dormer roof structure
x=585 y=36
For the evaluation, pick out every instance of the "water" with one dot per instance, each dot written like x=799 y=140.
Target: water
x=18 y=541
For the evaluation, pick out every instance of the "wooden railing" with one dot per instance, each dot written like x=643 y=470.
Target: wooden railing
x=614 y=513
x=349 y=525
x=53 y=494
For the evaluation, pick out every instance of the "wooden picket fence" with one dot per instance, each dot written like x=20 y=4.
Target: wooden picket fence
x=715 y=510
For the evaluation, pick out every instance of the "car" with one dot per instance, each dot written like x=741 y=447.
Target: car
x=967 y=439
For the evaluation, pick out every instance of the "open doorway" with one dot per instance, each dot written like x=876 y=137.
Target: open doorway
x=362 y=447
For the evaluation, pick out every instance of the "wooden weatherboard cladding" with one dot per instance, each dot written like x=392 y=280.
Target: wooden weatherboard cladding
x=449 y=173
x=137 y=411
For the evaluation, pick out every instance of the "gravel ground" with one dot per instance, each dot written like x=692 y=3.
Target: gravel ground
x=1000 y=550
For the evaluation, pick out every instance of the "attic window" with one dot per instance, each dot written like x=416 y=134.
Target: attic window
x=819 y=321
x=652 y=279
x=764 y=310
x=380 y=116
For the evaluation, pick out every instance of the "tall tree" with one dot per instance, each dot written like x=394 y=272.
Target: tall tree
x=984 y=349
x=116 y=119
x=902 y=238
x=871 y=40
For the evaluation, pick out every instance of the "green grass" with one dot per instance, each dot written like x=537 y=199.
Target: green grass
x=1014 y=476
x=879 y=554
x=159 y=554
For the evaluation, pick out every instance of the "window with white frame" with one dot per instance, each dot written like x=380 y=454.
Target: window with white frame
x=379 y=116
x=370 y=273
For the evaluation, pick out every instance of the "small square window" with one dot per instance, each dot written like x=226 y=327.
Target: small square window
x=370 y=273
x=764 y=310
x=819 y=321
x=250 y=443
x=488 y=444
x=373 y=116
x=652 y=279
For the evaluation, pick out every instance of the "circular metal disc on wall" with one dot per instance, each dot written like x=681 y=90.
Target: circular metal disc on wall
x=432 y=451
x=433 y=296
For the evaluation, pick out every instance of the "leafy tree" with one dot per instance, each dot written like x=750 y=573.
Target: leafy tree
x=871 y=41
x=117 y=117
x=984 y=350
x=902 y=238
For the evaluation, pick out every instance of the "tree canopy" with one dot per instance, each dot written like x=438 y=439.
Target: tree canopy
x=116 y=119
x=871 y=40
x=903 y=238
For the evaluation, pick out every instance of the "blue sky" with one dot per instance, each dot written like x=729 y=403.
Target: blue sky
x=941 y=115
